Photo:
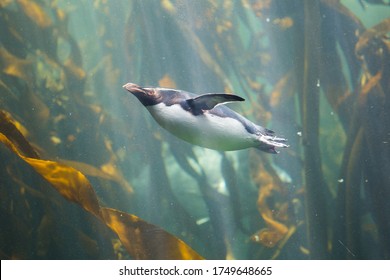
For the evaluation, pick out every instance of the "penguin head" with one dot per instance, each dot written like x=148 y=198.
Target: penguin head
x=147 y=96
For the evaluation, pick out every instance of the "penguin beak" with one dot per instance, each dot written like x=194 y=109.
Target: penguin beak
x=133 y=88
x=147 y=96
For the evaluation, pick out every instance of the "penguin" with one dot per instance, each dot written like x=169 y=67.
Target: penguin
x=204 y=121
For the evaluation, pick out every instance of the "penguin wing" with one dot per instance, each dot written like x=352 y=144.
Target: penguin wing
x=209 y=100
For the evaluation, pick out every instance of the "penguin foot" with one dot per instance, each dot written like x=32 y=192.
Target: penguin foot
x=269 y=143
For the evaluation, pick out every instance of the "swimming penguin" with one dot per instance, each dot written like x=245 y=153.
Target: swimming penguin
x=202 y=119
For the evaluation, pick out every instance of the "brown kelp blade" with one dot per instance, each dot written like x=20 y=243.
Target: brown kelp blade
x=379 y=30
x=146 y=241
x=69 y=182
x=141 y=239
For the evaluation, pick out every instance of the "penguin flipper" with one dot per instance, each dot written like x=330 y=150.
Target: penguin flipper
x=209 y=100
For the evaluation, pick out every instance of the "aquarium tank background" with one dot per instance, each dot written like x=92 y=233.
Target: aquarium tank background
x=86 y=173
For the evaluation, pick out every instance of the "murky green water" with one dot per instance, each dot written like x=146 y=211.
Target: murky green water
x=87 y=173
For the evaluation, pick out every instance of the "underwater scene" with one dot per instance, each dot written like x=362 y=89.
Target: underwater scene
x=178 y=129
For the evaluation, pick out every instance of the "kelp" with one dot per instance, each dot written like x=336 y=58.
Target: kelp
x=347 y=93
x=14 y=66
x=275 y=204
x=146 y=241
x=314 y=181
x=35 y=12
x=376 y=105
x=141 y=239
x=371 y=94
x=107 y=172
x=370 y=36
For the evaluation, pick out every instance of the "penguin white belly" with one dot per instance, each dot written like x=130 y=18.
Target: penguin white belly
x=206 y=130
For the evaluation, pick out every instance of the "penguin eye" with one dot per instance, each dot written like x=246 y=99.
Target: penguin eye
x=150 y=92
x=154 y=93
